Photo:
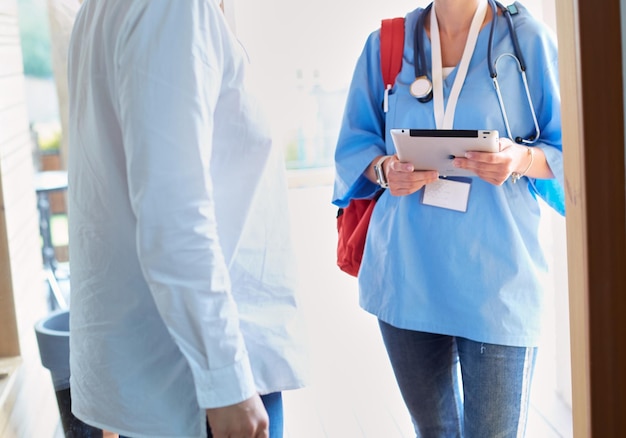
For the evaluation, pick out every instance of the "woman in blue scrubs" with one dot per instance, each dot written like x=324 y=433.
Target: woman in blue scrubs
x=453 y=267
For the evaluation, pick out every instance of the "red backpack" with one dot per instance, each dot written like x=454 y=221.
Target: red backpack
x=391 y=48
x=353 y=220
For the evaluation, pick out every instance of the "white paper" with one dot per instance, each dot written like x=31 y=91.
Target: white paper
x=446 y=193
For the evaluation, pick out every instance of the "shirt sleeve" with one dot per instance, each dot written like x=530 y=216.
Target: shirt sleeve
x=362 y=134
x=169 y=73
x=544 y=77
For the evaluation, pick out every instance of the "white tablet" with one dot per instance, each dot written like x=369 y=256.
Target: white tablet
x=434 y=149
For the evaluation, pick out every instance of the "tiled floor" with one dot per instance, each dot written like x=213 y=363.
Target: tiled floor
x=352 y=393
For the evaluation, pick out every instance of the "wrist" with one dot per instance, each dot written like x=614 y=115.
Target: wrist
x=530 y=153
x=379 y=171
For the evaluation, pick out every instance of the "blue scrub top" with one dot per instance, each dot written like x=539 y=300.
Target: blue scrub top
x=476 y=274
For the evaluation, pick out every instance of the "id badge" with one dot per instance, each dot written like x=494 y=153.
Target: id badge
x=450 y=193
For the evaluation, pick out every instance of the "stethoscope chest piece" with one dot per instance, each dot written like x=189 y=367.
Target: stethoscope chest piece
x=422 y=89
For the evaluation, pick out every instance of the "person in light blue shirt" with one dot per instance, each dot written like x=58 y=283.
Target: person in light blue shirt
x=184 y=303
x=456 y=280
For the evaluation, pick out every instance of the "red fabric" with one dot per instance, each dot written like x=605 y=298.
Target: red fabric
x=391 y=48
x=352 y=223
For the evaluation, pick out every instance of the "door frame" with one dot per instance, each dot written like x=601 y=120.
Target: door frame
x=594 y=159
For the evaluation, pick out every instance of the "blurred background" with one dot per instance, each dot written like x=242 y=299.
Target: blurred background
x=302 y=55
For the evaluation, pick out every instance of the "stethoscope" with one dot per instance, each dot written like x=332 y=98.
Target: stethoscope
x=422 y=87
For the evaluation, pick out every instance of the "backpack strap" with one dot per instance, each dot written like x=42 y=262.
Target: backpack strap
x=391 y=48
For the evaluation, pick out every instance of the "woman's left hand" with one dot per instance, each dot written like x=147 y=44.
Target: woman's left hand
x=495 y=167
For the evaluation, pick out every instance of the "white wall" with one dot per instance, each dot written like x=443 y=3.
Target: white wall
x=29 y=409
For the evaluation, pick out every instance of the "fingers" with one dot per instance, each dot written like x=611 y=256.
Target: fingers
x=263 y=434
x=395 y=165
x=494 y=168
x=239 y=430
x=247 y=419
x=404 y=180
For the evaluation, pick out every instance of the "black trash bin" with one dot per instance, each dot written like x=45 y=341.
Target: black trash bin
x=53 y=337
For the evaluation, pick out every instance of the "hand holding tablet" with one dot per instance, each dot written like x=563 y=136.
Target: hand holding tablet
x=434 y=149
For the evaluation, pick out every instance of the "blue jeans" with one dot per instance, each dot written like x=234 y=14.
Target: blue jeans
x=274 y=406
x=489 y=397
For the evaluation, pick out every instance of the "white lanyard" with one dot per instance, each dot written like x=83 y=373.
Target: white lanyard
x=444 y=119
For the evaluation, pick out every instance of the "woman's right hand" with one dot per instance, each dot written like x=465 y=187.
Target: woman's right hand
x=403 y=179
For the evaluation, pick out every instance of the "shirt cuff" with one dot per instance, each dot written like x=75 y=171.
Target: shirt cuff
x=224 y=386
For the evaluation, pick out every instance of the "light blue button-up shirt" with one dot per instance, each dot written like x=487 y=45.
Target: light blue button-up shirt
x=182 y=271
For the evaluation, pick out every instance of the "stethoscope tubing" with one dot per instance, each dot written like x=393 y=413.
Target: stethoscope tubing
x=420 y=63
x=516 y=47
x=420 y=53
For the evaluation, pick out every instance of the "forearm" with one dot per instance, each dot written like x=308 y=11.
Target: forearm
x=532 y=163
x=370 y=172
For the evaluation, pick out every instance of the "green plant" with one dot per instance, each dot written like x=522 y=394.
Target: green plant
x=48 y=135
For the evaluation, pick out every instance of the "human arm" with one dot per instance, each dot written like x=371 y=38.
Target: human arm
x=362 y=134
x=402 y=178
x=168 y=81
x=496 y=168
x=246 y=419
x=544 y=178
